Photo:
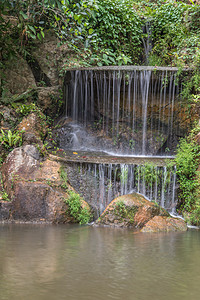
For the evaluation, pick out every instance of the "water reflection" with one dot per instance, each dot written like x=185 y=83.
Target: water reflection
x=60 y=262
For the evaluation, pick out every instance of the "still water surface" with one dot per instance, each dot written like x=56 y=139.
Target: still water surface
x=46 y=262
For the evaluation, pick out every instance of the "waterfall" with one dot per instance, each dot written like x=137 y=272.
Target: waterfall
x=131 y=111
x=104 y=182
x=125 y=112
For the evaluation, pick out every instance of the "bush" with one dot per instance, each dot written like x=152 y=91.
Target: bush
x=118 y=30
x=187 y=162
x=81 y=215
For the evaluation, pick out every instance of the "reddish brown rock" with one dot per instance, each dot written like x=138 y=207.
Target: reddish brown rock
x=34 y=187
x=160 y=224
x=131 y=210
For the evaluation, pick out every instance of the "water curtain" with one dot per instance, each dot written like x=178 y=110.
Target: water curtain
x=127 y=111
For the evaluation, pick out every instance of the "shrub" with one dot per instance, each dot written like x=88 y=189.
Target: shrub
x=81 y=215
x=187 y=162
x=118 y=30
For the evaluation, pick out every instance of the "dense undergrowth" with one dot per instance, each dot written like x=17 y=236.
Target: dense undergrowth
x=187 y=163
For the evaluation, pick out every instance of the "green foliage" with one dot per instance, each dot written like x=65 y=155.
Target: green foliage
x=175 y=35
x=152 y=174
x=17 y=99
x=10 y=140
x=121 y=208
x=187 y=162
x=68 y=19
x=124 y=175
x=25 y=109
x=106 y=32
x=4 y=196
x=118 y=31
x=76 y=211
x=191 y=82
x=63 y=176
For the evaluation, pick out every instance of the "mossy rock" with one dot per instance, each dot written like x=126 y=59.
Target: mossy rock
x=131 y=210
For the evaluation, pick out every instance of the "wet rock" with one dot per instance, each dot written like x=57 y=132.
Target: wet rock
x=34 y=187
x=131 y=210
x=163 y=223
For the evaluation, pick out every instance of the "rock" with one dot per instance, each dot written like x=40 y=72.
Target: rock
x=18 y=76
x=34 y=129
x=131 y=210
x=34 y=187
x=197 y=138
x=48 y=97
x=36 y=201
x=161 y=223
x=7 y=117
x=5 y=208
x=46 y=56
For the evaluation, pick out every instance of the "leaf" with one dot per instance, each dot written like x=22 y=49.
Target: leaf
x=90 y=31
x=39 y=36
x=23 y=15
x=33 y=36
x=32 y=29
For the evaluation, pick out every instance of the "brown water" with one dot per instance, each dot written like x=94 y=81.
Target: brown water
x=40 y=262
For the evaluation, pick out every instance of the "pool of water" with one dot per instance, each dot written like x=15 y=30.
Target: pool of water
x=73 y=262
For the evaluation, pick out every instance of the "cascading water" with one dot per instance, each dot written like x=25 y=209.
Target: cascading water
x=128 y=112
x=100 y=183
x=131 y=112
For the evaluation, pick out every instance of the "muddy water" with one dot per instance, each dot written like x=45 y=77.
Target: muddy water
x=72 y=262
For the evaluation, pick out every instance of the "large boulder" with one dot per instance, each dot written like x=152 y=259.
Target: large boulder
x=160 y=224
x=133 y=210
x=34 y=186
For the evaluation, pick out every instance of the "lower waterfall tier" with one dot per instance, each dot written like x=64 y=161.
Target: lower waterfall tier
x=100 y=183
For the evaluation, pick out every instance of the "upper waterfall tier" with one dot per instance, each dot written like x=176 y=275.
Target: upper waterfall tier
x=123 y=110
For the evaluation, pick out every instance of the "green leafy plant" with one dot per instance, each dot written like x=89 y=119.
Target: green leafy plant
x=9 y=139
x=63 y=176
x=80 y=214
x=118 y=30
x=25 y=109
x=4 y=196
x=124 y=175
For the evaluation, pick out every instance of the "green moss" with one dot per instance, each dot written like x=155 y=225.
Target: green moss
x=125 y=212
